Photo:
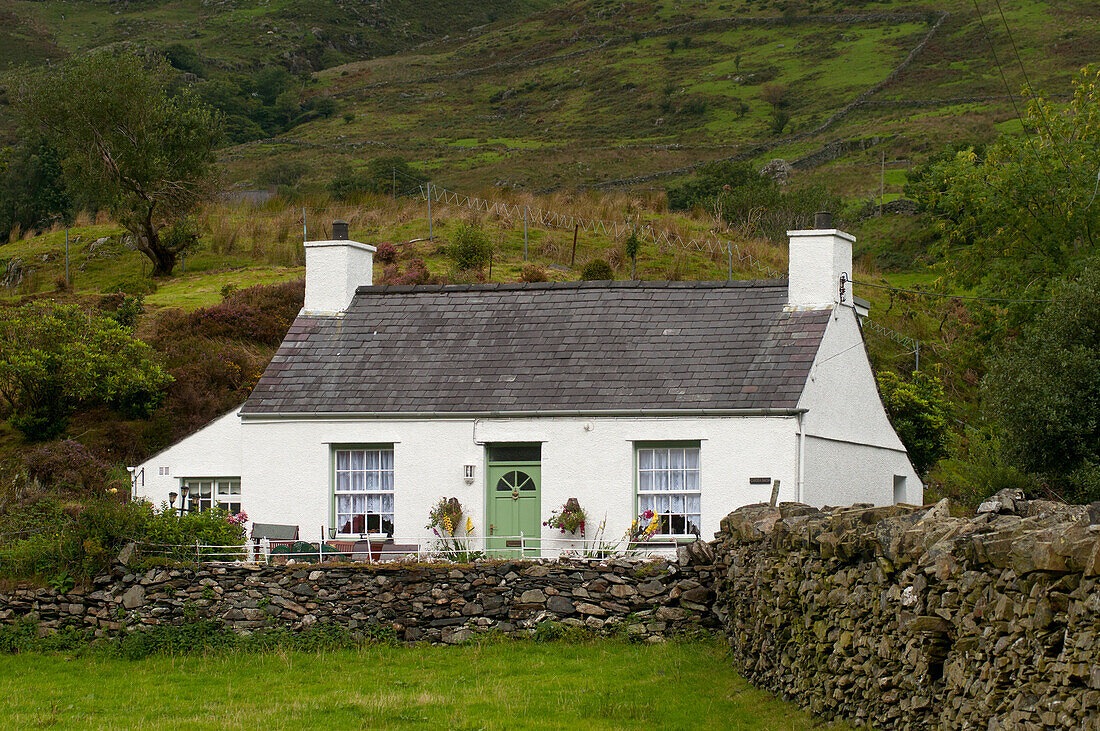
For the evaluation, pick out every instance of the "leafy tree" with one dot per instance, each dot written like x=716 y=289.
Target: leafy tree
x=714 y=178
x=1042 y=392
x=184 y=58
x=920 y=412
x=128 y=144
x=382 y=176
x=1018 y=216
x=469 y=249
x=32 y=190
x=56 y=358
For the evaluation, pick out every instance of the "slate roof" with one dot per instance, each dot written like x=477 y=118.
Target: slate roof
x=580 y=346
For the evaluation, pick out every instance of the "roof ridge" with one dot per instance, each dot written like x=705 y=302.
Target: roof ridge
x=590 y=284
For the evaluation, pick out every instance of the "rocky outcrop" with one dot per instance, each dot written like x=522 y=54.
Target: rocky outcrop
x=905 y=617
x=646 y=600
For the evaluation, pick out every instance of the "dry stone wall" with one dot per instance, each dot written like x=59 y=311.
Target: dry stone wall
x=647 y=600
x=902 y=617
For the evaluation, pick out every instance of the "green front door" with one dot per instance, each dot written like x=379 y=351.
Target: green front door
x=514 y=508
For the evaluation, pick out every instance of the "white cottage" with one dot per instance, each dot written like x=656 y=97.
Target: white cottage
x=685 y=398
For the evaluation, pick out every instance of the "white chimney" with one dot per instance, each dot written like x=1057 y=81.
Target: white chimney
x=334 y=269
x=818 y=258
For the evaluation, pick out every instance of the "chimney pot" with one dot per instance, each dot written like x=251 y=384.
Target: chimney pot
x=823 y=219
x=340 y=230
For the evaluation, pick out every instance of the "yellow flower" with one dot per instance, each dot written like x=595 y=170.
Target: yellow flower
x=469 y=525
x=447 y=524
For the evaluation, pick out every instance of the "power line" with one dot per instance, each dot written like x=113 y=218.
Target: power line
x=1019 y=61
x=1008 y=88
x=946 y=296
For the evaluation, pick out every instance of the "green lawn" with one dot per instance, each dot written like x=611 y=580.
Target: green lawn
x=594 y=685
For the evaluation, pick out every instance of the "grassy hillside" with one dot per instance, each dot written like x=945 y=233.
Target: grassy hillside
x=591 y=93
x=245 y=33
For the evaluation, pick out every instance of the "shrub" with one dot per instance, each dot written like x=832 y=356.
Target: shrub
x=1043 y=389
x=533 y=273
x=71 y=467
x=779 y=120
x=415 y=272
x=920 y=412
x=597 y=269
x=133 y=284
x=56 y=358
x=469 y=248
x=382 y=176
x=261 y=314
x=386 y=253
x=283 y=172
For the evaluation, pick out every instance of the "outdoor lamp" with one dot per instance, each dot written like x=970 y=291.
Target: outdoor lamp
x=183 y=498
x=172 y=499
x=468 y=474
x=332 y=533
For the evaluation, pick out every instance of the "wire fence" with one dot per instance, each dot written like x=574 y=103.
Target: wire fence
x=617 y=230
x=415 y=549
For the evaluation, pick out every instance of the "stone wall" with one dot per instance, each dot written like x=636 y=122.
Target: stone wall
x=903 y=617
x=648 y=600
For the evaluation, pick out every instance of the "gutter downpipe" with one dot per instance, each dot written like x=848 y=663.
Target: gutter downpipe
x=801 y=458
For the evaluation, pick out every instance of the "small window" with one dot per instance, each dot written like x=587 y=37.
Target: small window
x=517 y=452
x=364 y=490
x=668 y=485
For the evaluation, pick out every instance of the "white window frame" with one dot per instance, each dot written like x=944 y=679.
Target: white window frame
x=367 y=472
x=671 y=470
x=197 y=501
x=227 y=494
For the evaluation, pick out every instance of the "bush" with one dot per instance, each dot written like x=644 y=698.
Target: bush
x=260 y=314
x=1042 y=392
x=86 y=546
x=415 y=272
x=55 y=359
x=283 y=172
x=533 y=273
x=469 y=249
x=133 y=284
x=920 y=412
x=382 y=176
x=597 y=269
x=386 y=253
x=69 y=466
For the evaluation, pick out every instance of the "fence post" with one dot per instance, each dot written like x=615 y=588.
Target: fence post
x=729 y=266
x=431 y=233
x=305 y=230
x=573 y=256
x=525 y=233
x=66 y=257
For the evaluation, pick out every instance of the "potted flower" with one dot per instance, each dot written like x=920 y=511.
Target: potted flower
x=644 y=527
x=445 y=521
x=570 y=519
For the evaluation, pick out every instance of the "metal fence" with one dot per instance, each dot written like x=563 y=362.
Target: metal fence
x=458 y=550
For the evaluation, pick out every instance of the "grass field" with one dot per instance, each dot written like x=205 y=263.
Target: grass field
x=506 y=685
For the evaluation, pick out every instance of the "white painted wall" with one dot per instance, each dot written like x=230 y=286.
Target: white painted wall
x=213 y=451
x=287 y=465
x=852 y=451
